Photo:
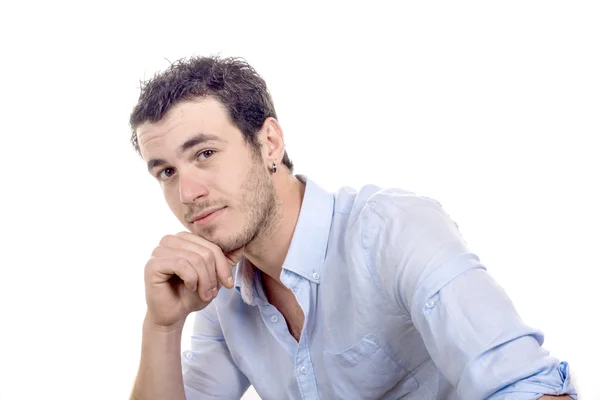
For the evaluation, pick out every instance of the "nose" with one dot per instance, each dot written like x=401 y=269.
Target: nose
x=191 y=187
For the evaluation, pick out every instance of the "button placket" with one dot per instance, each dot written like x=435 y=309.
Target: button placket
x=305 y=372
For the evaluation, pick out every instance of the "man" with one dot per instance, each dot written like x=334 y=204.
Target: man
x=304 y=294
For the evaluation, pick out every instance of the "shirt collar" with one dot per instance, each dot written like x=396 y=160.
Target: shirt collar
x=308 y=248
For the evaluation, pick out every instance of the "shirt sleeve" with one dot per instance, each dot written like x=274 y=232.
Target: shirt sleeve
x=469 y=325
x=209 y=371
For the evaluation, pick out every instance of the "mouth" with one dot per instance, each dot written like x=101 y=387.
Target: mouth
x=207 y=216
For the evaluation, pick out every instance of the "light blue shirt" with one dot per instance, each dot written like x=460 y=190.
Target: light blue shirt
x=395 y=304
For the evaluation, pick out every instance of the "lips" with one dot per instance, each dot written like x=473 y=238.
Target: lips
x=205 y=214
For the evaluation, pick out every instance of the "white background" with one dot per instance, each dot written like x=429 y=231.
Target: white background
x=491 y=109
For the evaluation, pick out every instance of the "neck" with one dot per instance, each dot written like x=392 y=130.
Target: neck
x=268 y=250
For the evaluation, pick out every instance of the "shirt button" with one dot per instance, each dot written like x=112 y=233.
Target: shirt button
x=316 y=275
x=303 y=370
x=430 y=304
x=274 y=318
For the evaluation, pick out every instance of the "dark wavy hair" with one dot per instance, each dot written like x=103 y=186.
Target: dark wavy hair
x=230 y=80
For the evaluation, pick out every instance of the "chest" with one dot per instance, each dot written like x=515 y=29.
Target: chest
x=349 y=351
x=285 y=301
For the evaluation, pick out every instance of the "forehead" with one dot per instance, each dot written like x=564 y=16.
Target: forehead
x=184 y=120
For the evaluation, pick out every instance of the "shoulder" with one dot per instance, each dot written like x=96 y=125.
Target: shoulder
x=394 y=208
x=371 y=206
x=402 y=222
x=387 y=223
x=400 y=200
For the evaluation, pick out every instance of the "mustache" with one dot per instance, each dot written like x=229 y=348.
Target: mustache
x=199 y=208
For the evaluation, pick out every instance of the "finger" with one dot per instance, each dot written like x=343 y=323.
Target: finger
x=161 y=269
x=201 y=260
x=211 y=270
x=222 y=263
x=205 y=287
x=234 y=257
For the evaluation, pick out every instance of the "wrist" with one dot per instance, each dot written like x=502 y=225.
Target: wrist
x=150 y=325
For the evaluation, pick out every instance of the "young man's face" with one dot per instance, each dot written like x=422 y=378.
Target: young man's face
x=204 y=164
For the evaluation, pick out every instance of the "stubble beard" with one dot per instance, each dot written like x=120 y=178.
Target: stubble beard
x=259 y=203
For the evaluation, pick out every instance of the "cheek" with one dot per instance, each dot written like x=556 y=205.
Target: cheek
x=229 y=189
x=172 y=198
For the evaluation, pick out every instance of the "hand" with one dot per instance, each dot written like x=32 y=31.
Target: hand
x=184 y=275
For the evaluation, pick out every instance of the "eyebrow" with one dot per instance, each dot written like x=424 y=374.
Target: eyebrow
x=192 y=142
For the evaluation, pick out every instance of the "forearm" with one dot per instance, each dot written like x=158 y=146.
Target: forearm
x=159 y=375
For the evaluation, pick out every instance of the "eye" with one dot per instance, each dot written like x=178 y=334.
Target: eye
x=165 y=174
x=204 y=154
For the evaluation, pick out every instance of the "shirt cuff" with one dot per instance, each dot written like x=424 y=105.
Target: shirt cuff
x=554 y=382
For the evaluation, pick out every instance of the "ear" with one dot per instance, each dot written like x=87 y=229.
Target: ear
x=271 y=137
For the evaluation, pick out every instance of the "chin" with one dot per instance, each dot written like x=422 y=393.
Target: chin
x=228 y=242
x=216 y=235
x=211 y=234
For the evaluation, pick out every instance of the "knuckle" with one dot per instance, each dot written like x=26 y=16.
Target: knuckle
x=151 y=267
x=167 y=240
x=212 y=247
x=156 y=252
x=148 y=268
x=197 y=259
x=151 y=264
x=206 y=254
x=182 y=263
